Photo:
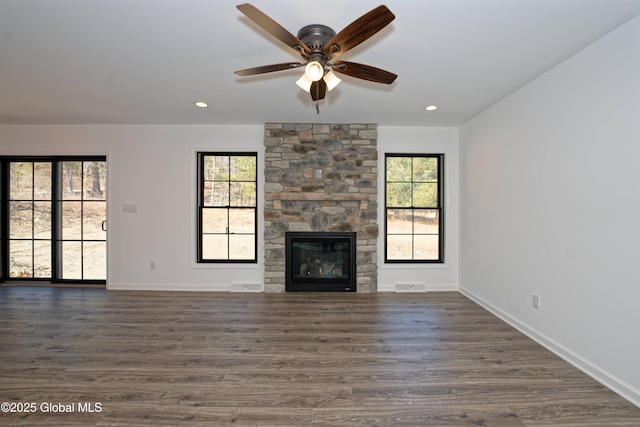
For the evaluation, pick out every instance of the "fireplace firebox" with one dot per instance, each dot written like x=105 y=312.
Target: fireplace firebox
x=320 y=262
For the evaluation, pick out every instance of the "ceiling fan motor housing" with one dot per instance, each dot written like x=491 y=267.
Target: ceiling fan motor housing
x=316 y=36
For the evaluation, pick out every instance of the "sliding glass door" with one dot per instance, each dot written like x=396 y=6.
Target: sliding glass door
x=54 y=219
x=82 y=239
x=30 y=220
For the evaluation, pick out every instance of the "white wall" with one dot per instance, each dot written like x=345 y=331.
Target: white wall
x=550 y=204
x=154 y=167
x=431 y=277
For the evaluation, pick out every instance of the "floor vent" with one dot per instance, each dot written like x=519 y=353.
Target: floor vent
x=246 y=287
x=411 y=287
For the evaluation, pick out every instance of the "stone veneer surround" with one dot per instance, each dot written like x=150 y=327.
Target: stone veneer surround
x=321 y=177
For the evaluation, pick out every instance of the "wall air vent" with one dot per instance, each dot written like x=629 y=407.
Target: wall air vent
x=411 y=287
x=246 y=287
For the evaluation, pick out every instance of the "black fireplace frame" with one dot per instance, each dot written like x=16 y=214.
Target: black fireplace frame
x=293 y=284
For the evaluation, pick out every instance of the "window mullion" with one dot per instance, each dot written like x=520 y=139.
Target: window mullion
x=55 y=213
x=33 y=219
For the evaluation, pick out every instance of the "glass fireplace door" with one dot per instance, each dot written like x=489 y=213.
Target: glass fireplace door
x=320 y=261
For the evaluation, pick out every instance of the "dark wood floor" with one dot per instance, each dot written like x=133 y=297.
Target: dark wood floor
x=338 y=359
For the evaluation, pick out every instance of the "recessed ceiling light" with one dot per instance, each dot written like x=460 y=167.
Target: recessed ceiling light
x=201 y=104
x=431 y=107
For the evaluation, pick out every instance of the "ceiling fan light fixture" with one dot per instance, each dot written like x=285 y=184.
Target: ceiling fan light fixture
x=331 y=80
x=305 y=83
x=314 y=71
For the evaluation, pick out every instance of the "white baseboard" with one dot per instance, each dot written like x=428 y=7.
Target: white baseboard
x=167 y=287
x=612 y=382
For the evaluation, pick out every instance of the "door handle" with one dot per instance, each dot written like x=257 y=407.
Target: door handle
x=104 y=225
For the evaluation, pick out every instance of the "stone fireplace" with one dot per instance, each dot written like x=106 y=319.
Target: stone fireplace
x=321 y=178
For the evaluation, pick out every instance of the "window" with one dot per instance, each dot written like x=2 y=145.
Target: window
x=227 y=212
x=414 y=208
x=54 y=212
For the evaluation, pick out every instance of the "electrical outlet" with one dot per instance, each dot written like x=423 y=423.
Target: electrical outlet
x=152 y=265
x=536 y=301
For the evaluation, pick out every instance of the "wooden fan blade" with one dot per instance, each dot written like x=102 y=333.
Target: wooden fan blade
x=358 y=31
x=268 y=68
x=273 y=28
x=365 y=72
x=318 y=90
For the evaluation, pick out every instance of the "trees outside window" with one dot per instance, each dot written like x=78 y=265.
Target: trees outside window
x=414 y=220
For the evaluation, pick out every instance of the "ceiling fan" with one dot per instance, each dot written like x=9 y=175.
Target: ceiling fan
x=319 y=46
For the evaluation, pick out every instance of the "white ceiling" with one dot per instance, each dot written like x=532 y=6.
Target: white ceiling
x=147 y=61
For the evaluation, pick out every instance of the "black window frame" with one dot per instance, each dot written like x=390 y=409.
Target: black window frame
x=439 y=208
x=56 y=228
x=201 y=207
